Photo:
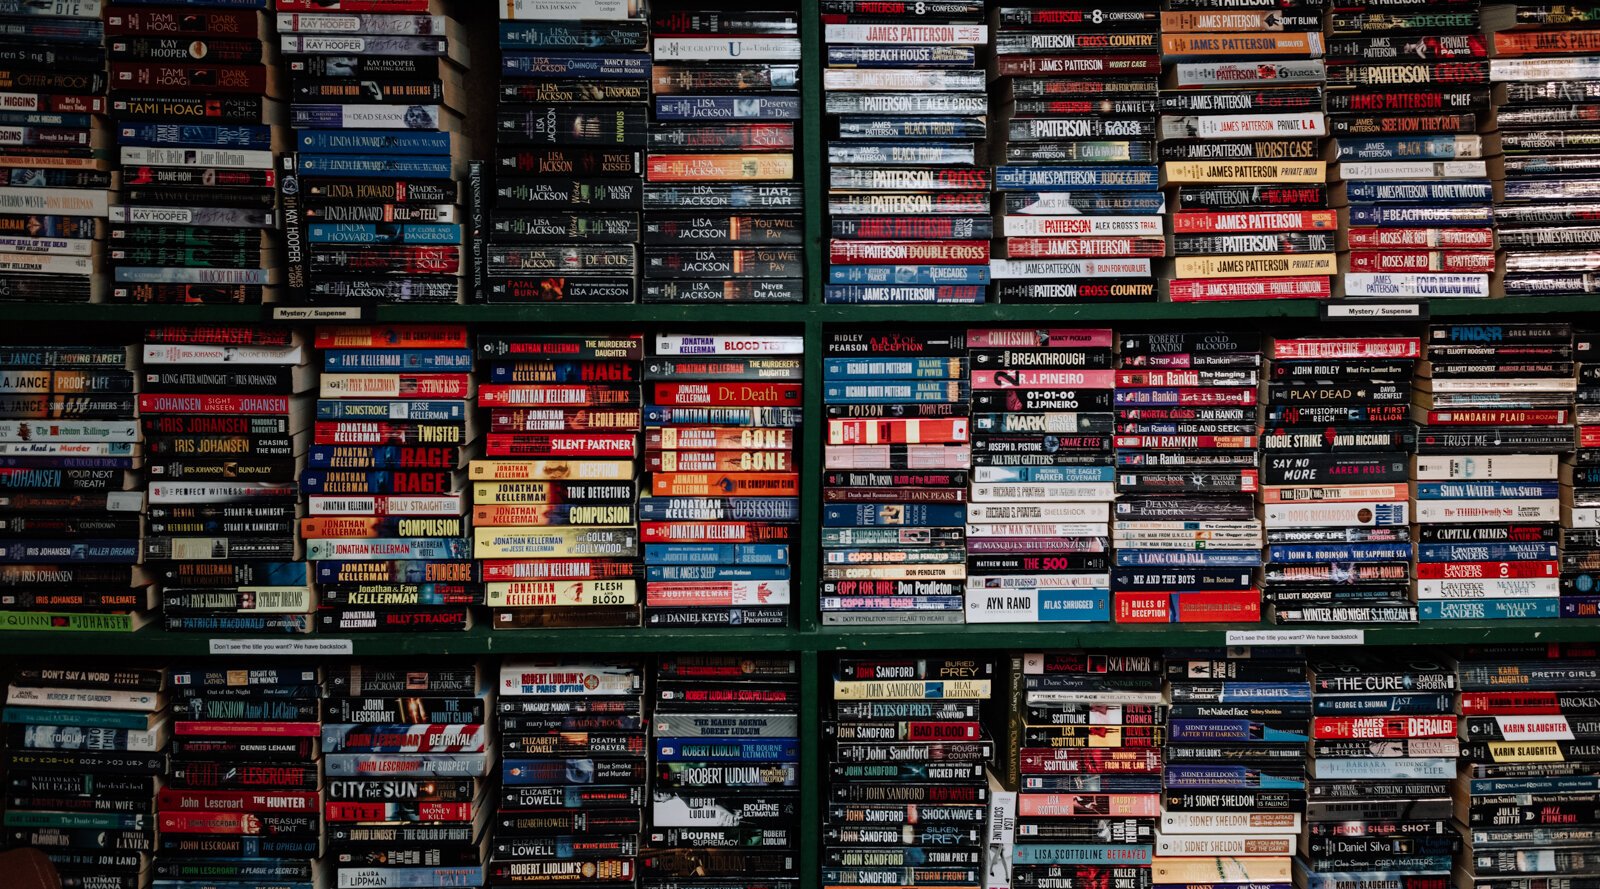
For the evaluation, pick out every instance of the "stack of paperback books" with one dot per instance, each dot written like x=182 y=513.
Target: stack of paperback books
x=562 y=214
x=53 y=191
x=1038 y=538
x=375 y=107
x=388 y=732
x=85 y=755
x=1087 y=731
x=1543 y=73
x=1409 y=101
x=1074 y=150
x=726 y=744
x=1336 y=452
x=924 y=774
x=1217 y=687
x=1580 y=492
x=224 y=442
x=893 y=535
x=1494 y=409
x=68 y=446
x=198 y=204
x=571 y=799
x=401 y=385
x=1526 y=794
x=242 y=838
x=1186 y=455
x=731 y=128
x=1383 y=758
x=1242 y=126
x=554 y=520
x=906 y=195
x=1235 y=767
x=724 y=480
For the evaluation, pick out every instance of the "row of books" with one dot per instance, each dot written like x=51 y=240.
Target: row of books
x=996 y=475
x=613 y=773
x=992 y=475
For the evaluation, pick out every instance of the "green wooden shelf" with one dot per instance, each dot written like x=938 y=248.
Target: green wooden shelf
x=152 y=642
x=794 y=313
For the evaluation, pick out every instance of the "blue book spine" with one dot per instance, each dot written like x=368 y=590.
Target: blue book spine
x=727 y=108
x=902 y=294
x=45 y=119
x=1487 y=490
x=249 y=136
x=908 y=274
x=546 y=66
x=413 y=877
x=402 y=570
x=1565 y=784
x=727 y=749
x=897 y=514
x=735 y=509
x=84 y=718
x=438 y=360
x=1074 y=605
x=384 y=233
x=1229 y=730
x=1487 y=552
x=1081 y=853
x=1412 y=215
x=415 y=411
x=891 y=368
x=1424 y=148
x=1349 y=552
x=1489 y=609
x=716 y=554
x=1018 y=177
x=915 y=392
x=1133 y=558
x=1382 y=705
x=1055 y=474
x=1279 y=692
x=333 y=141
x=400 y=167
x=97 y=551
x=1226 y=776
x=322 y=456
x=679 y=573
x=1464 y=191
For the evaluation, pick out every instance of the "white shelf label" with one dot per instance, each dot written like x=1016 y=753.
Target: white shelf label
x=1296 y=637
x=283 y=646
x=316 y=313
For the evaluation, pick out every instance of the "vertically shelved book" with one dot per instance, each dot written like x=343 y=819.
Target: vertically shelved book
x=198 y=203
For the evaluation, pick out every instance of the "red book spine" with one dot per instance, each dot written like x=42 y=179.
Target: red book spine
x=1485 y=570
x=236 y=800
x=1368 y=727
x=183 y=22
x=542 y=445
x=848 y=432
x=392 y=336
x=1421 y=261
x=1231 y=606
x=896 y=252
x=1219 y=289
x=1141 y=607
x=1358 y=347
x=1420 y=238
x=732 y=394
x=189 y=78
x=1254 y=220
